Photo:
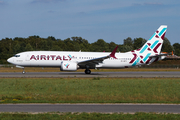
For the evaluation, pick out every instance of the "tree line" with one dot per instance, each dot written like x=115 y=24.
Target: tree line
x=9 y=46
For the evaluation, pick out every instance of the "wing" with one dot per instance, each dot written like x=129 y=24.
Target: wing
x=98 y=60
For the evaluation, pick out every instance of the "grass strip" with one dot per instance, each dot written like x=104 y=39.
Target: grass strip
x=89 y=90
x=88 y=116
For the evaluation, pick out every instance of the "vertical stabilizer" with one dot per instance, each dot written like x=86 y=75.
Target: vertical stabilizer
x=154 y=44
x=151 y=47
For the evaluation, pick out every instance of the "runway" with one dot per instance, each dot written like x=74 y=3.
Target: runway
x=102 y=108
x=93 y=74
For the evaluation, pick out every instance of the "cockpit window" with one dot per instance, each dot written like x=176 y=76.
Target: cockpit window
x=17 y=56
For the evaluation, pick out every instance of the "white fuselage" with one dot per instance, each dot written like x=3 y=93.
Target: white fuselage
x=54 y=59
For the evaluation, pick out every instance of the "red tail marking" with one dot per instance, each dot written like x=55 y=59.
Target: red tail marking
x=135 y=56
x=157 y=36
x=149 y=49
x=155 y=49
x=149 y=44
x=163 y=36
x=141 y=61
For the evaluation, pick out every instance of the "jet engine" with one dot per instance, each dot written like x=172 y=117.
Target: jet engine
x=68 y=66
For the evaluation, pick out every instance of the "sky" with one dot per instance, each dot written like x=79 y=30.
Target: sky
x=110 y=20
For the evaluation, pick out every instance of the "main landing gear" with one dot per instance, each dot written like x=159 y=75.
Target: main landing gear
x=23 y=72
x=87 y=71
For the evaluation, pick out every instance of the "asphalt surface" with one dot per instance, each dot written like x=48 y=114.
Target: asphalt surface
x=93 y=74
x=102 y=108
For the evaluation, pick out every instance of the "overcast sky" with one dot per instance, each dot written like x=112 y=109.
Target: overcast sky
x=111 y=20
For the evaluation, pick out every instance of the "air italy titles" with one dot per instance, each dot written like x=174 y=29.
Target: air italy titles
x=51 y=57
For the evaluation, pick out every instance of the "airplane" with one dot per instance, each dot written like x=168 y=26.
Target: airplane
x=71 y=61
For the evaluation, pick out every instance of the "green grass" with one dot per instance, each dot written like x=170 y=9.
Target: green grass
x=88 y=116
x=90 y=90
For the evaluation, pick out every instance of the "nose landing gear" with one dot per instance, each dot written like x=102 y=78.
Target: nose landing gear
x=23 y=72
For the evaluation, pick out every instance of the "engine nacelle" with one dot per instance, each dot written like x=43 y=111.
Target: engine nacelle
x=68 y=66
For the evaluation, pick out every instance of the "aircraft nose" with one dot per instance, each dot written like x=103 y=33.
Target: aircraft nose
x=10 y=60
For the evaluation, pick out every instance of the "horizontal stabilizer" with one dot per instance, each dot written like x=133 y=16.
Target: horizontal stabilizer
x=158 y=55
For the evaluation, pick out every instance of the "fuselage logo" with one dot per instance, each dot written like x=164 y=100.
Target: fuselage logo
x=52 y=57
x=66 y=65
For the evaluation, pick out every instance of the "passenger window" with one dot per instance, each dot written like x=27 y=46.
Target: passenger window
x=17 y=56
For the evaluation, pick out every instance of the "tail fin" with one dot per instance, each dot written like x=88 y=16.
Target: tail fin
x=154 y=44
x=151 y=47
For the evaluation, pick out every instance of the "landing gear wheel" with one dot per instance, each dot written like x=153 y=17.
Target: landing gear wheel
x=23 y=72
x=87 y=71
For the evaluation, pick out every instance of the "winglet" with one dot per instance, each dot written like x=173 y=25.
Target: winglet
x=113 y=53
